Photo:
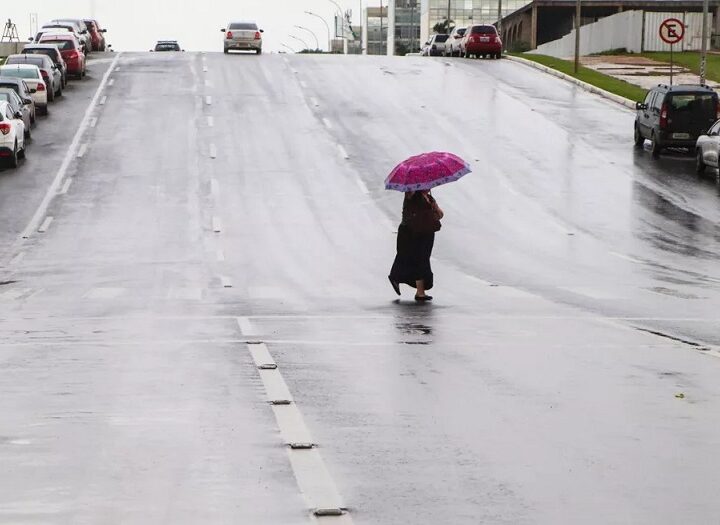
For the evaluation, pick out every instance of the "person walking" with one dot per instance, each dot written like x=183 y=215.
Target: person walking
x=415 y=177
x=415 y=239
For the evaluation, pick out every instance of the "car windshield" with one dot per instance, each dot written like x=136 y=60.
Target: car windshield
x=6 y=96
x=167 y=46
x=461 y=31
x=441 y=38
x=700 y=104
x=62 y=44
x=483 y=30
x=19 y=72
x=38 y=61
x=12 y=86
x=243 y=25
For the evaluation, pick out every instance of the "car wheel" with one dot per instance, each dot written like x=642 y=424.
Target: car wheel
x=226 y=51
x=258 y=51
x=699 y=162
x=656 y=146
x=60 y=91
x=13 y=160
x=21 y=153
x=638 y=138
x=28 y=133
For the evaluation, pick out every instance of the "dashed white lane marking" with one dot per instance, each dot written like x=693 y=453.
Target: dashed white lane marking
x=343 y=152
x=214 y=187
x=210 y=121
x=295 y=71
x=69 y=156
x=315 y=102
x=205 y=69
x=220 y=255
x=213 y=151
x=66 y=186
x=46 y=224
x=327 y=123
x=111 y=82
x=93 y=122
x=361 y=184
x=83 y=150
x=208 y=82
x=311 y=474
x=216 y=224
x=103 y=100
x=247 y=327
x=303 y=84
x=626 y=257
x=208 y=100
x=226 y=281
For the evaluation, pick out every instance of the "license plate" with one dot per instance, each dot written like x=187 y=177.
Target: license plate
x=484 y=39
x=681 y=136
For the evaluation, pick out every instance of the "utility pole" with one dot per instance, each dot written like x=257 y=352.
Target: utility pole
x=703 y=55
x=577 y=36
x=500 y=17
x=382 y=40
x=447 y=23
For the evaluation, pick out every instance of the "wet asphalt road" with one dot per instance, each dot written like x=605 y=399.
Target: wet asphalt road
x=222 y=200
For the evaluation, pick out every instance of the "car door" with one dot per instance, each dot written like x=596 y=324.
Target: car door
x=18 y=124
x=710 y=145
x=644 y=114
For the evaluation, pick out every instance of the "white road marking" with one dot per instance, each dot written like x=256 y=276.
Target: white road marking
x=315 y=102
x=66 y=186
x=111 y=82
x=69 y=156
x=46 y=224
x=208 y=83
x=220 y=255
x=103 y=100
x=247 y=328
x=208 y=100
x=361 y=184
x=303 y=84
x=214 y=187
x=210 y=121
x=343 y=152
x=217 y=224
x=226 y=281
x=213 y=151
x=327 y=123
x=311 y=474
x=295 y=71
x=83 y=150
x=626 y=257
x=93 y=122
x=205 y=69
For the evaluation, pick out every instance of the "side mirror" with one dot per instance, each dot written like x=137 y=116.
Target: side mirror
x=103 y=30
x=222 y=31
x=640 y=106
x=27 y=101
x=32 y=90
x=18 y=115
x=262 y=30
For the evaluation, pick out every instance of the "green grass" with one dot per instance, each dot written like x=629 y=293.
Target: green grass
x=2 y=60
x=606 y=82
x=691 y=61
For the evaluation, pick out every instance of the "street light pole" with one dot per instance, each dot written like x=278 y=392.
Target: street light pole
x=703 y=54
x=342 y=25
x=317 y=42
x=577 y=36
x=326 y=25
x=288 y=47
x=301 y=41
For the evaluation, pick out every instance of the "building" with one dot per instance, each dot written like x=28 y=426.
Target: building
x=543 y=21
x=406 y=33
x=464 y=12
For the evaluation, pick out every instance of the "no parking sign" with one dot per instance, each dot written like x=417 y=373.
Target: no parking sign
x=672 y=31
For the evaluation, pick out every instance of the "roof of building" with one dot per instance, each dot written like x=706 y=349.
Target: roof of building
x=625 y=4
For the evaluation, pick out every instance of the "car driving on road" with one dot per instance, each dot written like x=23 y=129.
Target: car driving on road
x=167 y=45
x=53 y=52
x=33 y=78
x=242 y=36
x=49 y=71
x=9 y=96
x=675 y=116
x=481 y=40
x=435 y=47
x=12 y=135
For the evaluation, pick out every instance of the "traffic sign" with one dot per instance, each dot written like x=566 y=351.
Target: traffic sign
x=672 y=31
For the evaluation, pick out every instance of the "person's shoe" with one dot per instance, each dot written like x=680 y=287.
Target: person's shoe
x=423 y=298
x=395 y=285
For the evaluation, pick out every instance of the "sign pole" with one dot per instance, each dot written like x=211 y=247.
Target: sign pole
x=703 y=55
x=672 y=31
x=671 y=63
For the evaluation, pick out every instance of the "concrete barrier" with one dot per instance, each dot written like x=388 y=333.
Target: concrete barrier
x=11 y=48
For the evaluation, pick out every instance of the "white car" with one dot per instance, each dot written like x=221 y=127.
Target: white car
x=12 y=135
x=242 y=36
x=33 y=78
x=707 y=149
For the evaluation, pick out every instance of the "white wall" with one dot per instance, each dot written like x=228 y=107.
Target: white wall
x=625 y=30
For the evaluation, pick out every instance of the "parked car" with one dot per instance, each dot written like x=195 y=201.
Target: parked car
x=19 y=86
x=435 y=46
x=80 y=27
x=12 y=135
x=243 y=36
x=53 y=52
x=481 y=40
x=675 y=116
x=70 y=50
x=452 y=45
x=33 y=78
x=707 y=149
x=9 y=96
x=50 y=73
x=61 y=30
x=167 y=45
x=97 y=36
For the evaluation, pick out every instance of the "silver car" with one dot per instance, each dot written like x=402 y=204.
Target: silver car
x=707 y=149
x=243 y=36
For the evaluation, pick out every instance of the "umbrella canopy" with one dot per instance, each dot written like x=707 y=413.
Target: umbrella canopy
x=426 y=171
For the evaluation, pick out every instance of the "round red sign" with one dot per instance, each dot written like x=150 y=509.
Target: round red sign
x=672 y=31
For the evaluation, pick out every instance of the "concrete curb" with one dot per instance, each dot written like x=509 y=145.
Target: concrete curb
x=630 y=104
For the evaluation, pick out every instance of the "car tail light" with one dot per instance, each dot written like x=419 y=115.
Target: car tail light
x=257 y=35
x=41 y=87
x=45 y=75
x=4 y=128
x=663 y=116
x=229 y=35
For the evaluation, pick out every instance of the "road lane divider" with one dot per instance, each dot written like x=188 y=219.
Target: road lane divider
x=103 y=100
x=66 y=186
x=343 y=152
x=216 y=224
x=208 y=100
x=247 y=328
x=312 y=476
x=226 y=281
x=46 y=224
x=69 y=157
x=111 y=82
x=303 y=84
x=211 y=121
x=327 y=123
x=213 y=151
x=93 y=122
x=315 y=102
x=82 y=151
x=205 y=69
x=220 y=255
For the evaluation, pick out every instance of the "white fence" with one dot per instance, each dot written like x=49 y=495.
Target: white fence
x=625 y=30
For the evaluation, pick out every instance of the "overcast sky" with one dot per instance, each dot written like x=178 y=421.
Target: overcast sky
x=135 y=25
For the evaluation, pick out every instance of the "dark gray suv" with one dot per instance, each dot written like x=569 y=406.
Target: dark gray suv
x=675 y=116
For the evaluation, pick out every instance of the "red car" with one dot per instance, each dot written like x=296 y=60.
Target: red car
x=96 y=34
x=70 y=50
x=481 y=40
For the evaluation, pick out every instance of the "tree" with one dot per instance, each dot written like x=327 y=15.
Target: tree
x=444 y=27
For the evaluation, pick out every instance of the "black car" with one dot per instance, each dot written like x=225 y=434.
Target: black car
x=675 y=116
x=53 y=52
x=167 y=45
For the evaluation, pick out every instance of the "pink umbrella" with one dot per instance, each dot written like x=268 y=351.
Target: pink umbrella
x=426 y=171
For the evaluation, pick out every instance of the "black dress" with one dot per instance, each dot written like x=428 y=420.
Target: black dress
x=412 y=262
